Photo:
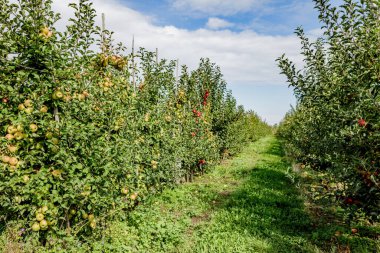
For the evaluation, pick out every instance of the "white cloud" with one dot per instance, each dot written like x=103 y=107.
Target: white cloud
x=217 y=23
x=246 y=58
x=243 y=56
x=217 y=7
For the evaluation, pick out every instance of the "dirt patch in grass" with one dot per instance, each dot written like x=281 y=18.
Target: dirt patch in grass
x=11 y=243
x=200 y=218
x=225 y=162
x=196 y=220
x=225 y=193
x=222 y=196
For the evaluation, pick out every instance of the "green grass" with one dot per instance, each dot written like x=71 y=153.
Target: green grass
x=248 y=204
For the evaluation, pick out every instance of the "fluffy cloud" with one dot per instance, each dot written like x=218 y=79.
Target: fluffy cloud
x=217 y=7
x=247 y=59
x=217 y=23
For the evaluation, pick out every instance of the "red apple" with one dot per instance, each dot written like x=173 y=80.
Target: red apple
x=362 y=122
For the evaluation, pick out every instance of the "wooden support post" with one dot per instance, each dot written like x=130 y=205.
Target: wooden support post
x=56 y=116
x=177 y=72
x=133 y=63
x=103 y=22
x=103 y=33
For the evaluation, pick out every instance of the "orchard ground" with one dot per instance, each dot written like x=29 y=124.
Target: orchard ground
x=252 y=203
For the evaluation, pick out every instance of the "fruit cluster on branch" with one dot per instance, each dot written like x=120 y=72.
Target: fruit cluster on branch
x=335 y=126
x=82 y=138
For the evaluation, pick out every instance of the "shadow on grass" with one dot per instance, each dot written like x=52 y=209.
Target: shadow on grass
x=271 y=210
x=275 y=149
x=269 y=207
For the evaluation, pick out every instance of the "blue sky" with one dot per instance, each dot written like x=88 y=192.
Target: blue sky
x=275 y=17
x=243 y=37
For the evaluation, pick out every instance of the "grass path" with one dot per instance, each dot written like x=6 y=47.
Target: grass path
x=247 y=204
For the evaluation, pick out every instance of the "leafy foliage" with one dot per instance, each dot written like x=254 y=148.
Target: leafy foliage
x=233 y=208
x=86 y=134
x=335 y=126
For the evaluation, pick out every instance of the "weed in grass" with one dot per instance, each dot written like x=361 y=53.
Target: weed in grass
x=249 y=204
